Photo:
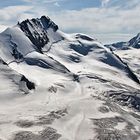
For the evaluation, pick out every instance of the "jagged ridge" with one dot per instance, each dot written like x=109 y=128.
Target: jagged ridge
x=36 y=30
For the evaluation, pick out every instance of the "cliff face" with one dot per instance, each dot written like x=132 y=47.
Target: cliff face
x=135 y=41
x=37 y=30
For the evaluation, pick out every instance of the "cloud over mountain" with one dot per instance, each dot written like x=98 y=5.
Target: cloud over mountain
x=122 y=16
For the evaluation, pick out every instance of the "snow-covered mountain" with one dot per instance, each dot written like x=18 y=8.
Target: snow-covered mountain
x=78 y=88
x=132 y=43
x=135 y=42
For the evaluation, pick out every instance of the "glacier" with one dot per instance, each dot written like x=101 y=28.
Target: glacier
x=63 y=86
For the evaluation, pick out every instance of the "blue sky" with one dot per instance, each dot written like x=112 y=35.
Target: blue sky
x=106 y=20
x=64 y=4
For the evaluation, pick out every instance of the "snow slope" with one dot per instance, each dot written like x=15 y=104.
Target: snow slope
x=80 y=89
x=131 y=57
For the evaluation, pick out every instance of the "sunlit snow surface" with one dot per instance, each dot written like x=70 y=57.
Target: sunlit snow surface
x=82 y=90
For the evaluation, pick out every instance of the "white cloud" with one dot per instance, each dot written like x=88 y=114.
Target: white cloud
x=57 y=4
x=105 y=2
x=110 y=38
x=11 y=13
x=123 y=4
x=105 y=21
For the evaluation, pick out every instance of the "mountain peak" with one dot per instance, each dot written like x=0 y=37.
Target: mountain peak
x=45 y=22
x=36 y=29
x=135 y=41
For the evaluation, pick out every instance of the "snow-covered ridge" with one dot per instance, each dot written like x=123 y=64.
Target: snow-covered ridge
x=132 y=43
x=135 y=41
x=38 y=42
x=17 y=82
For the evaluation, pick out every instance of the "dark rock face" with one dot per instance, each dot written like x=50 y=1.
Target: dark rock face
x=36 y=30
x=48 y=23
x=135 y=42
x=30 y=85
x=15 y=52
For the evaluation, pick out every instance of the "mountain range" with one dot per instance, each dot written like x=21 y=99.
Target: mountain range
x=132 y=43
x=67 y=86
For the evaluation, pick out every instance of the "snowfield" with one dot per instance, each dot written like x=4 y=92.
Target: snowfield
x=65 y=86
